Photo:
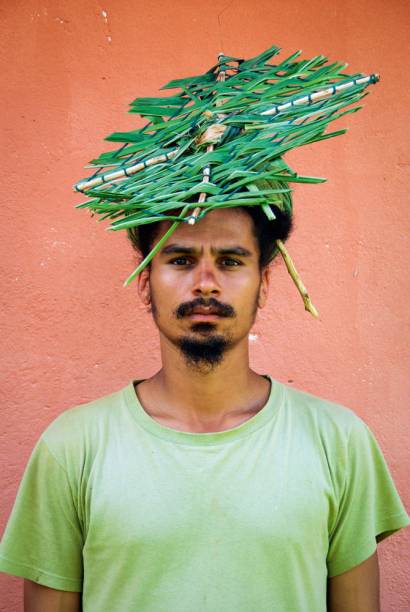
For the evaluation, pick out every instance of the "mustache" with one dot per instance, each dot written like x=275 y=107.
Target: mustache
x=223 y=310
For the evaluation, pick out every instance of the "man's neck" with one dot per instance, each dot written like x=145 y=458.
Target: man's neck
x=182 y=397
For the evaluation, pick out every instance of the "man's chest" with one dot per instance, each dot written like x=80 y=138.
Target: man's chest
x=272 y=496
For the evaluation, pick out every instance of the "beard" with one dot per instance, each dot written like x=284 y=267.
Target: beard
x=206 y=353
x=203 y=349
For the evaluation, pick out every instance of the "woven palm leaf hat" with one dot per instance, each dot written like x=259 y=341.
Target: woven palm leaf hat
x=219 y=142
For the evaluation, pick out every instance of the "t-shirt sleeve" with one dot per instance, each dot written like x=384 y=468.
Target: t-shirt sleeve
x=369 y=509
x=43 y=539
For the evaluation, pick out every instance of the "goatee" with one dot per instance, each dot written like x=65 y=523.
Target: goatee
x=203 y=354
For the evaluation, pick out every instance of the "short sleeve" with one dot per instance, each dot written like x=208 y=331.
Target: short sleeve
x=43 y=540
x=369 y=509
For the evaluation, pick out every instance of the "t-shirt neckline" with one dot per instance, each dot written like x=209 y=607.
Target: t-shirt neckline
x=265 y=414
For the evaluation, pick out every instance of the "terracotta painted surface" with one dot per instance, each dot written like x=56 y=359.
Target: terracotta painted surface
x=70 y=331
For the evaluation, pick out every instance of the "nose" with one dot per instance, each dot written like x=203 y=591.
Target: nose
x=205 y=280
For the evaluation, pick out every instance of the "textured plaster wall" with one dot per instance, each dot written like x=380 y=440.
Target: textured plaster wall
x=70 y=331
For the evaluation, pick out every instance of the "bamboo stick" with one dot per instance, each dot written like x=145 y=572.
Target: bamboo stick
x=296 y=279
x=207 y=170
x=323 y=93
x=119 y=174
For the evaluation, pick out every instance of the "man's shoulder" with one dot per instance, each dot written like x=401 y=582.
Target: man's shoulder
x=321 y=413
x=84 y=419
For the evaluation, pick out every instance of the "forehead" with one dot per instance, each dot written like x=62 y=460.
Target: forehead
x=218 y=227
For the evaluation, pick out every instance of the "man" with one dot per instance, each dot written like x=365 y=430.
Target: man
x=208 y=486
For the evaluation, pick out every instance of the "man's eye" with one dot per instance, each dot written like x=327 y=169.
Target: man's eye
x=228 y=261
x=180 y=261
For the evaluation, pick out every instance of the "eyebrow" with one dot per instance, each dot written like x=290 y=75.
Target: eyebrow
x=187 y=250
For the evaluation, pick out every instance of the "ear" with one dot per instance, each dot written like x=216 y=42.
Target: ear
x=264 y=288
x=144 y=290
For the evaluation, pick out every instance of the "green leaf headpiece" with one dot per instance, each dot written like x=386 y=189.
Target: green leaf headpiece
x=219 y=142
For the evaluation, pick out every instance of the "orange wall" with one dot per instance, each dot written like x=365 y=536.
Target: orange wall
x=72 y=333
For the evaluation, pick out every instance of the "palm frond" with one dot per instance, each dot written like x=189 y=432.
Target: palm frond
x=222 y=137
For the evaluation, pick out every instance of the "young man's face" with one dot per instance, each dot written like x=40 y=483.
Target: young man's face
x=205 y=286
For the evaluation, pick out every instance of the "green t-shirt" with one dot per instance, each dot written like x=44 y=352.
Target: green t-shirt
x=146 y=518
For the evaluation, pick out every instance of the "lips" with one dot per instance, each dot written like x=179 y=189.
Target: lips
x=202 y=313
x=204 y=310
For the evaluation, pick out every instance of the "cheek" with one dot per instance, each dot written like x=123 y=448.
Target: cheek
x=247 y=286
x=164 y=295
x=245 y=299
x=165 y=279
